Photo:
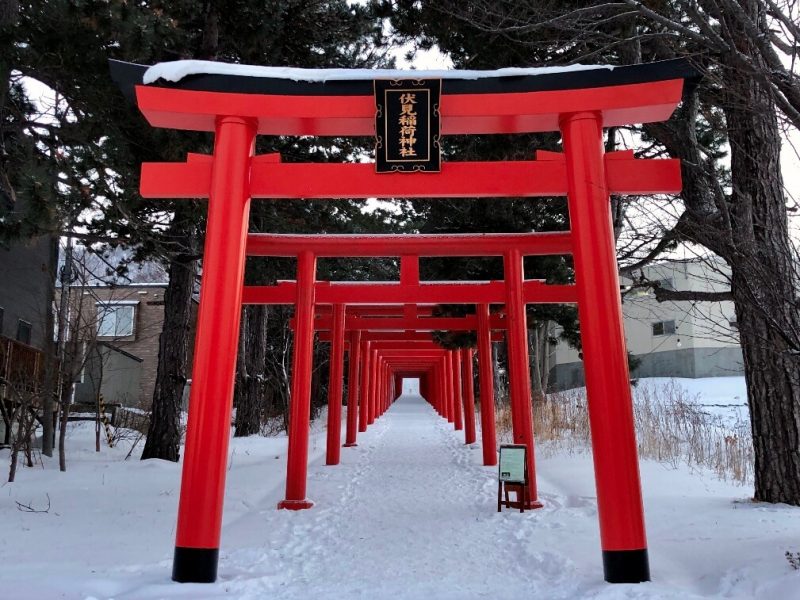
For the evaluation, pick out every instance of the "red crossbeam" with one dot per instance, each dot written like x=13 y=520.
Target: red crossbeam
x=626 y=176
x=487 y=244
x=391 y=336
x=468 y=323
x=460 y=113
x=490 y=292
x=380 y=310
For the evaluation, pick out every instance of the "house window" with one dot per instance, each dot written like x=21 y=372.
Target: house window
x=115 y=319
x=24 y=332
x=664 y=328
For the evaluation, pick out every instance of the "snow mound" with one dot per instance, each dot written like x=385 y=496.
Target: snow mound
x=177 y=70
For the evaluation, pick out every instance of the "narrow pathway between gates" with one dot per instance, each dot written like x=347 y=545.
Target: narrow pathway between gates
x=410 y=513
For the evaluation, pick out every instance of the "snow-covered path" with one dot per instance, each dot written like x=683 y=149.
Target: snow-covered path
x=409 y=514
x=407 y=517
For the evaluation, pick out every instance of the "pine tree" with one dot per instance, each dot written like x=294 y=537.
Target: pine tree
x=91 y=153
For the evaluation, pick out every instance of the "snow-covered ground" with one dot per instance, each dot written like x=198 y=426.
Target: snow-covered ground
x=410 y=513
x=725 y=397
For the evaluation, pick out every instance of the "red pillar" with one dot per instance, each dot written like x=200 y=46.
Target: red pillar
x=300 y=399
x=390 y=388
x=469 y=397
x=619 y=495
x=385 y=392
x=441 y=389
x=455 y=366
x=519 y=371
x=448 y=387
x=398 y=387
x=336 y=373
x=373 y=386
x=379 y=390
x=486 y=383
x=208 y=428
x=352 y=388
x=363 y=396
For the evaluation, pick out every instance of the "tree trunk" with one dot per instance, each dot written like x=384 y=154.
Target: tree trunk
x=764 y=281
x=540 y=359
x=749 y=229
x=72 y=361
x=251 y=372
x=64 y=401
x=50 y=383
x=164 y=432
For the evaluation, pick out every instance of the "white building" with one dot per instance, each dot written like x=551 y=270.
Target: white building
x=671 y=339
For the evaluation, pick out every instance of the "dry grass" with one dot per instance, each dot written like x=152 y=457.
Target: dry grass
x=671 y=427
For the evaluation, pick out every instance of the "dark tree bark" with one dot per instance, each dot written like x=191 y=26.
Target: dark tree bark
x=51 y=360
x=749 y=229
x=251 y=374
x=164 y=431
x=764 y=278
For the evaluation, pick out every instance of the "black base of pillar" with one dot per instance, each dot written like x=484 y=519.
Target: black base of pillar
x=626 y=566
x=195 y=565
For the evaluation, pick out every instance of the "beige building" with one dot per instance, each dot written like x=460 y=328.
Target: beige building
x=671 y=339
x=121 y=325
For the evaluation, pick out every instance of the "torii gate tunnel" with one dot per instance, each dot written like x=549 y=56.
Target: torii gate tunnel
x=386 y=325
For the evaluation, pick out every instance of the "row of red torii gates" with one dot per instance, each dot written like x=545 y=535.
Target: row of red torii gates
x=386 y=326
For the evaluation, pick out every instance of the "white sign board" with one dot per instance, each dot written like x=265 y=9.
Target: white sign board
x=512 y=463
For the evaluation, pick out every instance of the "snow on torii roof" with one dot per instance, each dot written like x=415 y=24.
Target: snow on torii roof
x=191 y=94
x=177 y=70
x=238 y=78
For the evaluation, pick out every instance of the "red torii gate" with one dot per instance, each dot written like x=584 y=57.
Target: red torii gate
x=576 y=103
x=514 y=291
x=488 y=436
x=405 y=329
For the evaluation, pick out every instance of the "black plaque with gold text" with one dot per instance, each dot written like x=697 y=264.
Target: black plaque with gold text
x=407 y=125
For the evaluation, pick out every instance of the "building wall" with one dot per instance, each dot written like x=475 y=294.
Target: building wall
x=130 y=386
x=26 y=283
x=704 y=342
x=113 y=373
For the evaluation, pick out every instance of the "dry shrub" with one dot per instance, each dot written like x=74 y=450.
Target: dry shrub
x=502 y=417
x=671 y=427
x=129 y=423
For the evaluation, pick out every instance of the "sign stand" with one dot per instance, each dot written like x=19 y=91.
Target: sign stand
x=513 y=477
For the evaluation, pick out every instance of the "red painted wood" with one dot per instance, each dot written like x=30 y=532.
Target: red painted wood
x=336 y=373
x=232 y=176
x=410 y=247
x=325 y=336
x=469 y=396
x=619 y=496
x=456 y=179
x=373 y=385
x=300 y=393
x=492 y=292
x=460 y=113
x=353 y=380
x=366 y=375
x=486 y=386
x=518 y=365
x=458 y=400
x=216 y=344
x=468 y=323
